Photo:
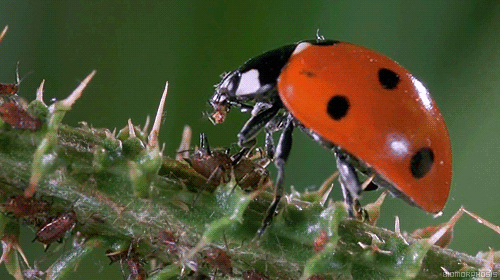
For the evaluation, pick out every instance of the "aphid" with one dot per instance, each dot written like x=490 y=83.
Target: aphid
x=8 y=89
x=217 y=167
x=220 y=260
x=55 y=229
x=135 y=268
x=167 y=239
x=320 y=241
x=371 y=112
x=131 y=260
x=18 y=118
x=11 y=89
x=22 y=207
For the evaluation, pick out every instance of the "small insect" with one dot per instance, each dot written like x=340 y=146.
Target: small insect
x=8 y=89
x=320 y=241
x=18 y=118
x=135 y=268
x=11 y=89
x=220 y=260
x=371 y=112
x=218 y=167
x=167 y=239
x=22 y=207
x=254 y=275
x=131 y=260
x=55 y=229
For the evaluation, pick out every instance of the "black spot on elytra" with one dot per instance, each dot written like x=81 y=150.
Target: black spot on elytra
x=337 y=107
x=308 y=73
x=421 y=162
x=388 y=79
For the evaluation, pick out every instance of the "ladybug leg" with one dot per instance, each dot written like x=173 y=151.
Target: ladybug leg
x=351 y=187
x=282 y=153
x=269 y=145
x=261 y=115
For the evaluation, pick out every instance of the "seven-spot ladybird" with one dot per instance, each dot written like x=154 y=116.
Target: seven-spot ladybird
x=371 y=112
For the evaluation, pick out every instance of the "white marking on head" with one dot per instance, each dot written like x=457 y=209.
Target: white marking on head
x=300 y=47
x=249 y=82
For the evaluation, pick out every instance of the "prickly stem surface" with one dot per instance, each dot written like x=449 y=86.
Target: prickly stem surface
x=92 y=177
x=135 y=203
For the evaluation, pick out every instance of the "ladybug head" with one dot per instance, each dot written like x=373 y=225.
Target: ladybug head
x=224 y=96
x=253 y=82
x=235 y=89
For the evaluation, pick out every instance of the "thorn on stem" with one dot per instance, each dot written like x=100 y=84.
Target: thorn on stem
x=155 y=130
x=71 y=99
x=3 y=32
x=131 y=131
x=39 y=91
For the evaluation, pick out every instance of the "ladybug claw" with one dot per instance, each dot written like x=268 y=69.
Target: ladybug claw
x=360 y=213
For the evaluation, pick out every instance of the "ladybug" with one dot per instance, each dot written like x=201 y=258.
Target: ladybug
x=368 y=110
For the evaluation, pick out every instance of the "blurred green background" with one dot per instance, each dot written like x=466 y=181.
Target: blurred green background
x=452 y=46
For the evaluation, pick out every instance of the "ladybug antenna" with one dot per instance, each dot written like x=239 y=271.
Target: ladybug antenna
x=204 y=146
x=319 y=37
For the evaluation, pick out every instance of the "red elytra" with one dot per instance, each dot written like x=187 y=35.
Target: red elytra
x=368 y=110
x=388 y=128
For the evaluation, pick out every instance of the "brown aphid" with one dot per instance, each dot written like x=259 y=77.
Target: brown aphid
x=135 y=268
x=218 y=168
x=254 y=275
x=22 y=207
x=9 y=89
x=18 y=118
x=167 y=239
x=320 y=241
x=220 y=260
x=131 y=260
x=55 y=229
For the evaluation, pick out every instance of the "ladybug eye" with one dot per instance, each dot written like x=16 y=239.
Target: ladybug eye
x=388 y=79
x=337 y=107
x=421 y=162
